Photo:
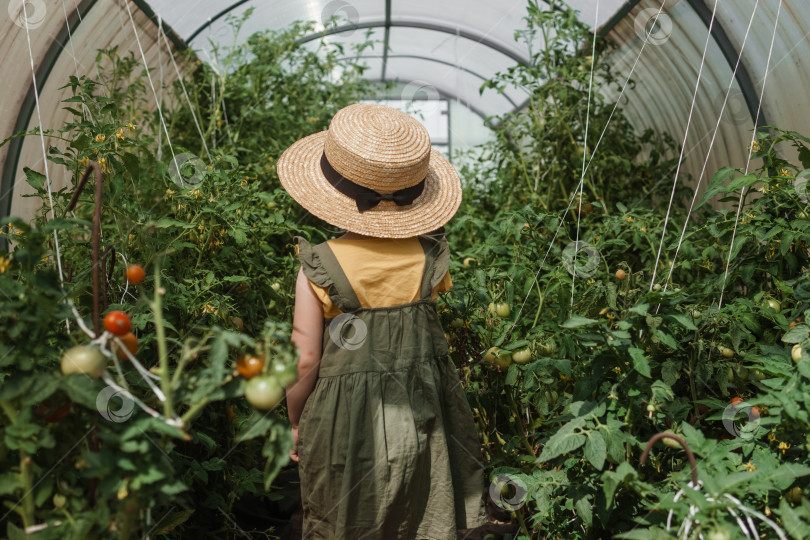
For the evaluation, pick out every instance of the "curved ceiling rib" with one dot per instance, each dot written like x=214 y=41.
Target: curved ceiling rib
x=444 y=94
x=435 y=60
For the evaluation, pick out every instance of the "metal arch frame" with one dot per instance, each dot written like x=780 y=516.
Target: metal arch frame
x=427 y=59
x=442 y=94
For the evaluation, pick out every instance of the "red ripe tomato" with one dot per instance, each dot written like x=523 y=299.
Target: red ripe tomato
x=135 y=274
x=131 y=344
x=117 y=323
x=736 y=400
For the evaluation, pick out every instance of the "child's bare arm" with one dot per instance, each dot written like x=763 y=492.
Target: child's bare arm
x=307 y=335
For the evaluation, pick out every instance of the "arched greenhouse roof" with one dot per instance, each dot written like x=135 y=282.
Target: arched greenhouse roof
x=700 y=59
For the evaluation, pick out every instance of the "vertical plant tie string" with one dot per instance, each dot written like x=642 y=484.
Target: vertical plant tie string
x=604 y=130
x=750 y=152
x=151 y=84
x=584 y=151
x=711 y=146
x=626 y=83
x=44 y=155
x=185 y=93
x=683 y=146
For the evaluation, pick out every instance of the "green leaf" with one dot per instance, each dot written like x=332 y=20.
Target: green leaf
x=81 y=389
x=577 y=322
x=611 y=480
x=584 y=510
x=684 y=320
x=596 y=450
x=564 y=441
x=716 y=185
x=640 y=362
x=35 y=180
x=742 y=181
x=797 y=334
x=167 y=222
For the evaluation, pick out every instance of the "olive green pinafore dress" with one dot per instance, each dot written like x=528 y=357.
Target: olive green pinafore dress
x=387 y=443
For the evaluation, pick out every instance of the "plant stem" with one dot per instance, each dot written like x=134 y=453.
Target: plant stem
x=163 y=354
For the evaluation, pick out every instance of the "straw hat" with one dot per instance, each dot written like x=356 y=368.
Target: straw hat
x=373 y=172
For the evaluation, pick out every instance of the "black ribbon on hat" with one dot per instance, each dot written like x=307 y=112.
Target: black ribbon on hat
x=367 y=198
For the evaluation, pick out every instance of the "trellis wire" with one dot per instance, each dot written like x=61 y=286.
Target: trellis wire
x=750 y=153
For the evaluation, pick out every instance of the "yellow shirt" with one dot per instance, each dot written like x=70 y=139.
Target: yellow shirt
x=383 y=272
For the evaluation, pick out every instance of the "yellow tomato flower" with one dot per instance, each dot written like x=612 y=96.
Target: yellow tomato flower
x=103 y=163
x=785 y=172
x=119 y=133
x=84 y=161
x=754 y=146
x=750 y=466
x=100 y=138
x=131 y=126
x=5 y=263
x=170 y=193
x=783 y=446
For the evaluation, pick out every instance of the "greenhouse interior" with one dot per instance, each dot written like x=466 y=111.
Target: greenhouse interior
x=343 y=269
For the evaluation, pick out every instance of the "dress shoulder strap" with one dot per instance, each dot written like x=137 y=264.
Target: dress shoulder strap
x=322 y=268
x=437 y=262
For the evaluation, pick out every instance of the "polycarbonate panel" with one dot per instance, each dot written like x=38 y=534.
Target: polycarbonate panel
x=786 y=102
x=588 y=10
x=424 y=79
x=275 y=15
x=491 y=21
x=665 y=77
x=454 y=52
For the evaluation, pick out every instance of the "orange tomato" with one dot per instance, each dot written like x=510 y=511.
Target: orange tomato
x=249 y=366
x=135 y=274
x=131 y=344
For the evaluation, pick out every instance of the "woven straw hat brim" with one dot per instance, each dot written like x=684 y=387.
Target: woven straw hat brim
x=300 y=173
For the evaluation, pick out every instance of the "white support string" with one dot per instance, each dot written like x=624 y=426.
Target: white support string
x=711 y=145
x=683 y=146
x=185 y=93
x=610 y=118
x=584 y=154
x=750 y=152
x=44 y=155
x=151 y=84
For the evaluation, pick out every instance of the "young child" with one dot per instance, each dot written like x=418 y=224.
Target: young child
x=385 y=439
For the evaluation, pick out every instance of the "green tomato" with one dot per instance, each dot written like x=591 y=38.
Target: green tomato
x=672 y=443
x=725 y=351
x=264 y=392
x=697 y=314
x=759 y=374
x=286 y=374
x=741 y=374
x=498 y=357
x=796 y=353
x=84 y=359
x=795 y=495
x=547 y=348
x=502 y=310
x=522 y=356
x=719 y=533
x=774 y=304
x=656 y=287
